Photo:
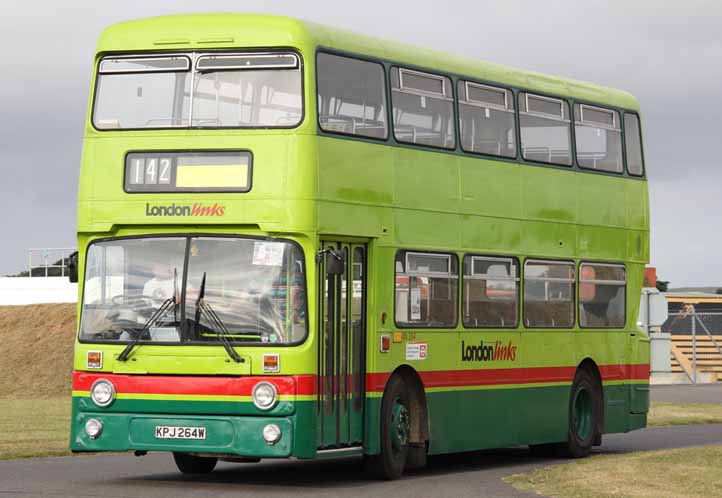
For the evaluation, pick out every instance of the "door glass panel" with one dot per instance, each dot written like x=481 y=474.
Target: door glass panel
x=357 y=326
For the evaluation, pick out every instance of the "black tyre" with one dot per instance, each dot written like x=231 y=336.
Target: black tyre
x=395 y=428
x=585 y=408
x=191 y=464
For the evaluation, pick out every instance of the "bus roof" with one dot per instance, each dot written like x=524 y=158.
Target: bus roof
x=214 y=31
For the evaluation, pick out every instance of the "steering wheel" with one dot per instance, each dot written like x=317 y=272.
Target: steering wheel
x=137 y=302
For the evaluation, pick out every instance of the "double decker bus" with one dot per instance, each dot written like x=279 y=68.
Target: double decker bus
x=296 y=241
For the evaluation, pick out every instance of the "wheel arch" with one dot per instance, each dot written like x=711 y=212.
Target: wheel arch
x=419 y=407
x=591 y=367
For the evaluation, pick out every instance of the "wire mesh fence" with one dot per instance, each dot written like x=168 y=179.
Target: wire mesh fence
x=697 y=341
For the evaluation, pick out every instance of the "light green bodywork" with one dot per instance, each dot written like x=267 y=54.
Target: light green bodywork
x=308 y=186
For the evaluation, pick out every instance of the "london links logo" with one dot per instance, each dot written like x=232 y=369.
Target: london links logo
x=195 y=209
x=483 y=352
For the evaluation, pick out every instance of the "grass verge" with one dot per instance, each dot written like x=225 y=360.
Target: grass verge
x=662 y=413
x=679 y=473
x=33 y=428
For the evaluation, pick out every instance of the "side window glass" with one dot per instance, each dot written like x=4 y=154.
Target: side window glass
x=351 y=96
x=602 y=295
x=426 y=289
x=633 y=144
x=599 y=138
x=549 y=294
x=545 y=129
x=490 y=292
x=486 y=119
x=422 y=108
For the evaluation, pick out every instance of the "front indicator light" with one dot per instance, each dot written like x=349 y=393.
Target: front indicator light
x=264 y=395
x=271 y=434
x=102 y=392
x=93 y=428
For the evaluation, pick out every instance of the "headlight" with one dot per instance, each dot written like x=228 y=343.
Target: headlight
x=264 y=395
x=102 y=392
x=93 y=428
x=271 y=434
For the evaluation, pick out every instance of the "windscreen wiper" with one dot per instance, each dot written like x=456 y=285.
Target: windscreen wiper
x=220 y=331
x=154 y=318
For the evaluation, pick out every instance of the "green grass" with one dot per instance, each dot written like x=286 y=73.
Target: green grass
x=661 y=414
x=679 y=473
x=33 y=428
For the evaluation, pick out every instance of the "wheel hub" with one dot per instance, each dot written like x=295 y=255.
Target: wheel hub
x=583 y=414
x=400 y=425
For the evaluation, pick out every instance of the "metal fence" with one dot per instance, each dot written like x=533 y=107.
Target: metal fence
x=698 y=337
x=48 y=262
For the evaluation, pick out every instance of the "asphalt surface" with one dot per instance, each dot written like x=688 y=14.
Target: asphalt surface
x=699 y=393
x=155 y=476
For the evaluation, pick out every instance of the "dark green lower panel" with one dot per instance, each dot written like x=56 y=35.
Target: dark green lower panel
x=467 y=420
x=226 y=434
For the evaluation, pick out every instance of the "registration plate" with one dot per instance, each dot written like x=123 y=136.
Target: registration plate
x=175 y=432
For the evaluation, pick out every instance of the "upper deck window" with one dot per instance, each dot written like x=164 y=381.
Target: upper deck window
x=351 y=96
x=242 y=90
x=633 y=143
x=545 y=133
x=486 y=119
x=599 y=138
x=423 y=108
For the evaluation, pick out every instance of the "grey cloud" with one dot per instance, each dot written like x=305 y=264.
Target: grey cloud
x=665 y=53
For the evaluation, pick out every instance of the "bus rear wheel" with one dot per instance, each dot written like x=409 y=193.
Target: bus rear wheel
x=395 y=429
x=585 y=405
x=191 y=464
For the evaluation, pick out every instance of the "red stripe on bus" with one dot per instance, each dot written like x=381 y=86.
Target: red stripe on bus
x=375 y=382
x=196 y=385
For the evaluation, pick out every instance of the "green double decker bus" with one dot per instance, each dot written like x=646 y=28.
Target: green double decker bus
x=296 y=241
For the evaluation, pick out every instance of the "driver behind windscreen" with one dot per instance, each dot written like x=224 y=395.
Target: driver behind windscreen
x=162 y=283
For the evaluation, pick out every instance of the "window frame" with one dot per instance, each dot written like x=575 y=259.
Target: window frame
x=185 y=56
x=643 y=174
x=454 y=257
x=569 y=104
x=479 y=105
x=518 y=280
x=452 y=99
x=616 y=114
x=580 y=281
x=387 y=110
x=573 y=281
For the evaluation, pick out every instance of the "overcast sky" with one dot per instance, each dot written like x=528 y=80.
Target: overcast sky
x=668 y=54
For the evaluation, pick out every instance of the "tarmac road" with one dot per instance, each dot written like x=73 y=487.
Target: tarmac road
x=699 y=393
x=155 y=476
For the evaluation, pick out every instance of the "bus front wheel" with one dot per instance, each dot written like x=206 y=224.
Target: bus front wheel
x=191 y=464
x=395 y=428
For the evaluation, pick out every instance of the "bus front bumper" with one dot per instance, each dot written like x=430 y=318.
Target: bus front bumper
x=223 y=435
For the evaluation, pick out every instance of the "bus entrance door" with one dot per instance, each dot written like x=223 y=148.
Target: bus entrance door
x=341 y=345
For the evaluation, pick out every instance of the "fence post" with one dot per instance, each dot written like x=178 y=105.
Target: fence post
x=694 y=346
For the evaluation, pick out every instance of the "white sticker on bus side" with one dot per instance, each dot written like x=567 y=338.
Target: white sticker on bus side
x=416 y=351
x=268 y=253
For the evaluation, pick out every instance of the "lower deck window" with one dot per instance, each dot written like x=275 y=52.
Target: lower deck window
x=549 y=294
x=426 y=288
x=602 y=295
x=490 y=292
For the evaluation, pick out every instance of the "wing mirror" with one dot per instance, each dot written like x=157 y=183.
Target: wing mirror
x=73 y=268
